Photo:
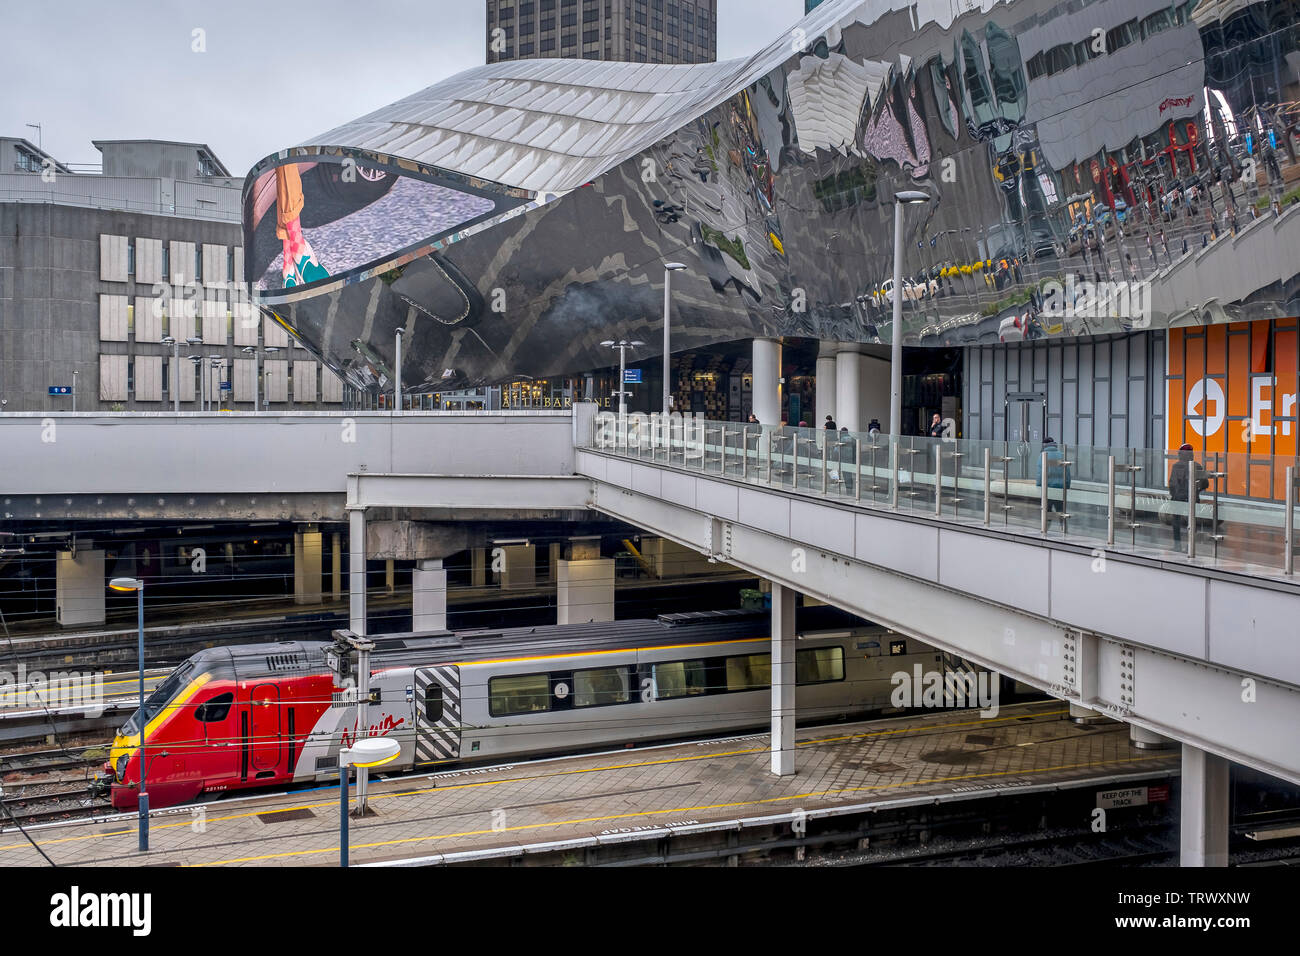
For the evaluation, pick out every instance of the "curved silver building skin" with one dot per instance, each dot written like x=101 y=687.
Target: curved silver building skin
x=1092 y=168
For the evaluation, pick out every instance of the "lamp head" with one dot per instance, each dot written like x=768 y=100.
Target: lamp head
x=370 y=752
x=126 y=584
x=911 y=196
x=674 y=266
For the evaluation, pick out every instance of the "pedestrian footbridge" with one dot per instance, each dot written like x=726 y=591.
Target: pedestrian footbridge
x=1079 y=588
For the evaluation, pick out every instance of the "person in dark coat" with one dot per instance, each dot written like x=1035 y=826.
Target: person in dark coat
x=830 y=424
x=1181 y=475
x=1058 y=474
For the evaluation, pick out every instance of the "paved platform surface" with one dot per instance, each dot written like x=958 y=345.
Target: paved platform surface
x=471 y=810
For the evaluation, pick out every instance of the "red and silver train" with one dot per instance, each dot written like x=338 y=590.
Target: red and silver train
x=260 y=715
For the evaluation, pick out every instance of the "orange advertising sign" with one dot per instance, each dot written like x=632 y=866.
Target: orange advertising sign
x=1232 y=390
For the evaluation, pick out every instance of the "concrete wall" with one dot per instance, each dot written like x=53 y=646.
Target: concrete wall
x=265 y=454
x=58 y=314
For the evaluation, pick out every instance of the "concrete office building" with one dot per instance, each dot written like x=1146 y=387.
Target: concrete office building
x=631 y=31
x=96 y=269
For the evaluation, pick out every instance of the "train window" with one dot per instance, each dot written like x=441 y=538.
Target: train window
x=433 y=703
x=161 y=697
x=680 y=679
x=521 y=694
x=600 y=686
x=749 y=672
x=216 y=709
x=819 y=665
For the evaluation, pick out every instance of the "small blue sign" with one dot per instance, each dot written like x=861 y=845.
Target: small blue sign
x=225 y=386
x=60 y=389
x=631 y=376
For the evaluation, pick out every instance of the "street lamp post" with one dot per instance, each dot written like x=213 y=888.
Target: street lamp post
x=197 y=362
x=74 y=391
x=136 y=585
x=214 y=392
x=397 y=374
x=366 y=752
x=669 y=269
x=176 y=362
x=622 y=345
x=901 y=199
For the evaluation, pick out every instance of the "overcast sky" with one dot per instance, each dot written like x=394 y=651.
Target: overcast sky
x=272 y=74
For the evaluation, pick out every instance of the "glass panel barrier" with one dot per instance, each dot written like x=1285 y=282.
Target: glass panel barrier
x=1121 y=499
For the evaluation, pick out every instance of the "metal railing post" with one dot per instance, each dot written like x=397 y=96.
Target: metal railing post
x=1191 y=509
x=1110 y=501
x=857 y=471
x=1042 y=504
x=723 y=429
x=938 y=480
x=1288 y=523
x=988 y=483
x=825 y=442
x=770 y=439
x=893 y=486
x=744 y=453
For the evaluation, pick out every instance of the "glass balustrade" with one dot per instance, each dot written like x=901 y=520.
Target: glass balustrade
x=1132 y=500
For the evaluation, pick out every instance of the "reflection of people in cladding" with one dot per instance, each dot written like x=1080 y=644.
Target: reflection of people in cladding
x=300 y=263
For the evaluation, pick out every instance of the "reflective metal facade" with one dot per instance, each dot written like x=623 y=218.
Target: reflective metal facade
x=1092 y=169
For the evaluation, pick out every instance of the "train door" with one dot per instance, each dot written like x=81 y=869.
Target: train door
x=264 y=728
x=437 y=713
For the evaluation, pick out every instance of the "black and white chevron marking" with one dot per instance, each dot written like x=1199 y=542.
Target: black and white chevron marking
x=439 y=740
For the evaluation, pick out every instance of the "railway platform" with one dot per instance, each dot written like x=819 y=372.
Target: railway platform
x=565 y=808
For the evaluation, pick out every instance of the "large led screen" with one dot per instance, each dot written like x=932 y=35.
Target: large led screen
x=314 y=221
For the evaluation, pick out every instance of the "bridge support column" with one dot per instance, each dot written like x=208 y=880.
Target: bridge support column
x=478 y=567
x=390 y=576
x=552 y=560
x=767 y=381
x=783 y=680
x=519 y=568
x=848 y=387
x=826 y=394
x=357 y=571
x=429 y=595
x=584 y=590
x=1204 y=818
x=336 y=566
x=79 y=588
x=306 y=567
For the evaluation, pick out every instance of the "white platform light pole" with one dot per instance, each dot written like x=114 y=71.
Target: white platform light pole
x=366 y=752
x=901 y=199
x=669 y=269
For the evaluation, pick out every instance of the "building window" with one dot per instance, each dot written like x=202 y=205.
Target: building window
x=506 y=13
x=230 y=264
x=525 y=10
x=198 y=262
x=591 y=36
x=548 y=23
x=526 y=48
x=130 y=257
x=166 y=262
x=568 y=19
x=568 y=39
x=130 y=376
x=525 y=27
x=548 y=44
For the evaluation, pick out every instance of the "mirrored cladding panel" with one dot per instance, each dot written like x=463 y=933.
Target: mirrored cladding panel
x=1089 y=168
